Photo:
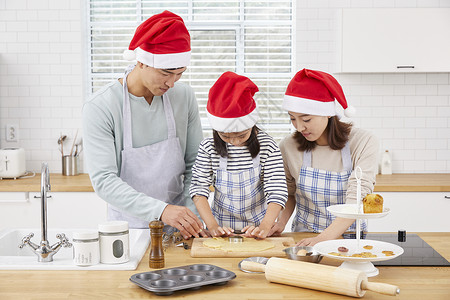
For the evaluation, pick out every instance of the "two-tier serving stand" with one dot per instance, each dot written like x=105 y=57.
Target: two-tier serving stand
x=355 y=211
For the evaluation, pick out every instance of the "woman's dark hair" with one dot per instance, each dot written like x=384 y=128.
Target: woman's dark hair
x=252 y=143
x=338 y=133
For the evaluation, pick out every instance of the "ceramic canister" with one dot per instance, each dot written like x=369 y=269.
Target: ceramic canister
x=86 y=248
x=114 y=242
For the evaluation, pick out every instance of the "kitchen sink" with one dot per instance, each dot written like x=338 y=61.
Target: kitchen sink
x=14 y=258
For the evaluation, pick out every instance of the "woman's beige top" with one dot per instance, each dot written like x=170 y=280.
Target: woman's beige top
x=364 y=150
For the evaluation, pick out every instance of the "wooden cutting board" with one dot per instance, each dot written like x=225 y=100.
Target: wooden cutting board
x=198 y=250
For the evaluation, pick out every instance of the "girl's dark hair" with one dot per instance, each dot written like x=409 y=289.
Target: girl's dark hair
x=338 y=133
x=252 y=143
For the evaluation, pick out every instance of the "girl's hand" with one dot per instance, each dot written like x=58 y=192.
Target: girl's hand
x=255 y=232
x=216 y=231
x=277 y=229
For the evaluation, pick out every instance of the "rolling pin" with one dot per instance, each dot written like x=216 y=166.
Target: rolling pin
x=319 y=277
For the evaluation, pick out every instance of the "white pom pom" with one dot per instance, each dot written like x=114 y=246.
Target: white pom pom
x=129 y=55
x=350 y=111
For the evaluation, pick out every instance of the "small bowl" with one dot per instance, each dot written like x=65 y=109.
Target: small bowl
x=311 y=255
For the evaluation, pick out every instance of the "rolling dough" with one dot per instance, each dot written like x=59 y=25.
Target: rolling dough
x=248 y=245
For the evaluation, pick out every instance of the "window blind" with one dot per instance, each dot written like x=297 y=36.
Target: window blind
x=249 y=37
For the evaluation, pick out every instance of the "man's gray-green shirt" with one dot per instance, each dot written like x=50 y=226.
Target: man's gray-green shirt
x=103 y=142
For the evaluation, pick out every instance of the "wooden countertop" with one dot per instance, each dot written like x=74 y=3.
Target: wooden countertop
x=385 y=183
x=58 y=182
x=414 y=282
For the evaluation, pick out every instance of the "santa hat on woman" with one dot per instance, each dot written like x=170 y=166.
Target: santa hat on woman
x=162 y=42
x=231 y=107
x=313 y=92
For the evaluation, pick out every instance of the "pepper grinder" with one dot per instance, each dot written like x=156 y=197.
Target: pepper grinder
x=156 y=251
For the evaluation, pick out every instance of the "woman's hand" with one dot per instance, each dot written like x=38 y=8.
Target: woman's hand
x=277 y=229
x=311 y=241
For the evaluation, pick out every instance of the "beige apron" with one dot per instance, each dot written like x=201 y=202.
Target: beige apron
x=155 y=170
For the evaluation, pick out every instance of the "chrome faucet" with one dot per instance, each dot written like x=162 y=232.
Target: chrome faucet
x=43 y=251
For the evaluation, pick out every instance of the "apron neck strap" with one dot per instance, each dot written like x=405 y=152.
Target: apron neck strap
x=127 y=133
x=345 y=154
x=224 y=160
x=127 y=127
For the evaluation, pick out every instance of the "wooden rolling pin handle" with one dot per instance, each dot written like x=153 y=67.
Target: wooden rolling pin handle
x=382 y=288
x=253 y=266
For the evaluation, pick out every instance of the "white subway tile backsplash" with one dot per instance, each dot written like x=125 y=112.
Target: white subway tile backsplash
x=413 y=166
x=437 y=78
x=443 y=89
x=415 y=122
x=404 y=133
x=415 y=144
x=438 y=166
x=405 y=111
x=394 y=122
x=420 y=78
x=37 y=5
x=407 y=89
x=437 y=122
x=430 y=89
x=394 y=101
x=394 y=79
x=425 y=155
x=426 y=111
x=383 y=90
x=426 y=133
x=438 y=144
x=443 y=155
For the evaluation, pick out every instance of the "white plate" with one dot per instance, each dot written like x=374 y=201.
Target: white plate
x=350 y=211
x=326 y=247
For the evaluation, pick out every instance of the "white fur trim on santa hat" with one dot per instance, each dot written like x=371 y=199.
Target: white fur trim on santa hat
x=129 y=55
x=233 y=124
x=308 y=106
x=163 y=61
x=350 y=111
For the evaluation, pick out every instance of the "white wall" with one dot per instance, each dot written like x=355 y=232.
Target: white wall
x=409 y=113
x=41 y=82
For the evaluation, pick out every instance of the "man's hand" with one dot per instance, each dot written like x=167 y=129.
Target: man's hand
x=183 y=219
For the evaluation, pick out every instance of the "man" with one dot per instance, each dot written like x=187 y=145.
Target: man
x=142 y=131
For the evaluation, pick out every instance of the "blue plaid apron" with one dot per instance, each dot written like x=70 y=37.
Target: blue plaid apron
x=239 y=196
x=316 y=190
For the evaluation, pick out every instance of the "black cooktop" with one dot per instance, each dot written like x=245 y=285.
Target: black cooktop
x=417 y=251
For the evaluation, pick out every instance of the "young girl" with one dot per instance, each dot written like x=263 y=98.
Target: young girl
x=243 y=163
x=320 y=157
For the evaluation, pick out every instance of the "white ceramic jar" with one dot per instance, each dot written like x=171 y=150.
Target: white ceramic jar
x=86 y=248
x=114 y=242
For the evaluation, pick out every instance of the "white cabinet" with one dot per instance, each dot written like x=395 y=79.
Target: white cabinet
x=394 y=40
x=414 y=212
x=64 y=210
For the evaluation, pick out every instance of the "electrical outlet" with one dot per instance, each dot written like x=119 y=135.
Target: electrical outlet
x=12 y=133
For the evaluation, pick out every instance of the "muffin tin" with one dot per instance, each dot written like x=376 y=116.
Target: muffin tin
x=166 y=281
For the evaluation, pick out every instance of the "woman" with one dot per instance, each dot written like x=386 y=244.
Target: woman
x=242 y=162
x=321 y=156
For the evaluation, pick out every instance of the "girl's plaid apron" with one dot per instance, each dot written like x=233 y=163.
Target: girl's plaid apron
x=316 y=190
x=239 y=196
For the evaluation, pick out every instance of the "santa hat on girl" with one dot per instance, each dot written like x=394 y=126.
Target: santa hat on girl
x=313 y=92
x=231 y=107
x=162 y=42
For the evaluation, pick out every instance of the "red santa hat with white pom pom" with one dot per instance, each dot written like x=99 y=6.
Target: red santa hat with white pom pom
x=313 y=93
x=162 y=42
